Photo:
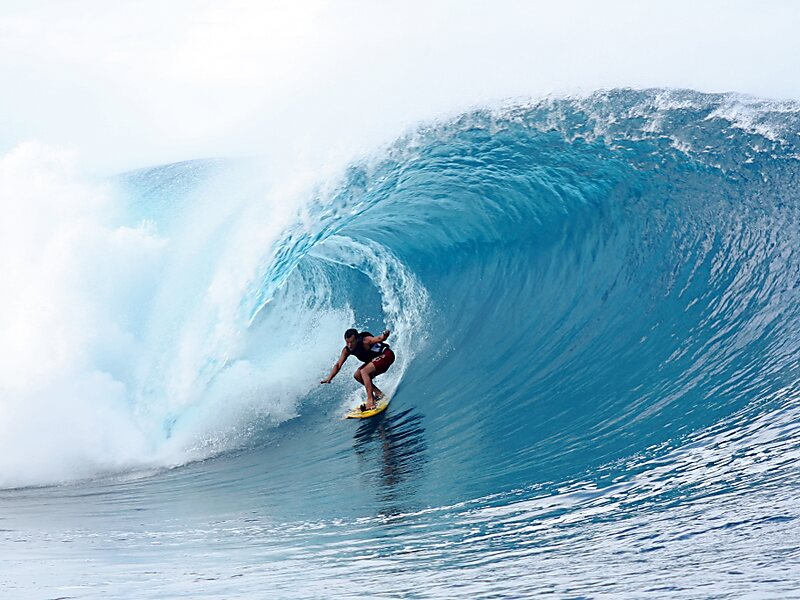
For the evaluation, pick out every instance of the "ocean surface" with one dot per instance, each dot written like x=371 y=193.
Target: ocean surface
x=595 y=305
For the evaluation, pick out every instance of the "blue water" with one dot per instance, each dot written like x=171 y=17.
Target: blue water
x=595 y=304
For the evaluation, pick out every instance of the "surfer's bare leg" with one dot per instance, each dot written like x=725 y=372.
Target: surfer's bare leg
x=358 y=378
x=364 y=376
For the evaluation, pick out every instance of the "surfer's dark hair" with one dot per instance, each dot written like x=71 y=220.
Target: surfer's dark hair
x=350 y=333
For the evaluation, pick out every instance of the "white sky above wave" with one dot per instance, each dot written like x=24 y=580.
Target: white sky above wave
x=133 y=84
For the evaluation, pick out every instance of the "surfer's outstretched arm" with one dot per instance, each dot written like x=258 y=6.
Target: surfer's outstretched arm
x=376 y=339
x=342 y=357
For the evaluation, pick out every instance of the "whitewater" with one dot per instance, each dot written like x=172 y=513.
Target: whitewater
x=595 y=305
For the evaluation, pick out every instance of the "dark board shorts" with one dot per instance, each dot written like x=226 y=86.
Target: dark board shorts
x=384 y=361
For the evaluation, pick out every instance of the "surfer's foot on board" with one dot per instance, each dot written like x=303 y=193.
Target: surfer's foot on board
x=371 y=405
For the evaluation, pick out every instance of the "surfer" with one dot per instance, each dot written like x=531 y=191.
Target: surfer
x=376 y=356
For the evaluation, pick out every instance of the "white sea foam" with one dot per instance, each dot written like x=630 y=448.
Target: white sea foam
x=74 y=279
x=129 y=346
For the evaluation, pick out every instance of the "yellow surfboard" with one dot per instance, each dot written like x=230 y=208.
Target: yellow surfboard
x=383 y=402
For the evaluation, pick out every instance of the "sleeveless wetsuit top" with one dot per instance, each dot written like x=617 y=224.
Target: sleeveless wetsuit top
x=366 y=355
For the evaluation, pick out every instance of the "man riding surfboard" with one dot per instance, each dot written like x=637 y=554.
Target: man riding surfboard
x=375 y=355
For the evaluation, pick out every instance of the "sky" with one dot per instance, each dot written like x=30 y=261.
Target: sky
x=124 y=85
